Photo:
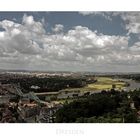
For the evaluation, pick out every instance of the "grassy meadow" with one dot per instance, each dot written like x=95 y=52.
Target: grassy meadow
x=103 y=83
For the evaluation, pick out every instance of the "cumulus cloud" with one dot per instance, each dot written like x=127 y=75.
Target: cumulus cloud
x=87 y=12
x=132 y=20
x=58 y=28
x=106 y=15
x=27 y=45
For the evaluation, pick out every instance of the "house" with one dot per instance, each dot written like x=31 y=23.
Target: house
x=132 y=105
x=28 y=112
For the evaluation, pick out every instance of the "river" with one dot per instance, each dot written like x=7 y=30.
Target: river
x=133 y=84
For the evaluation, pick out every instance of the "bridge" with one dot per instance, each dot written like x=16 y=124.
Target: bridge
x=30 y=95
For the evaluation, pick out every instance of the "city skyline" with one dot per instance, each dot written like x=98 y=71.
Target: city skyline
x=70 y=41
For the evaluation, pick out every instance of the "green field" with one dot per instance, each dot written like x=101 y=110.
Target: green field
x=103 y=83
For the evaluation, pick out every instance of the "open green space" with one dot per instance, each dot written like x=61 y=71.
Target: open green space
x=106 y=83
x=103 y=83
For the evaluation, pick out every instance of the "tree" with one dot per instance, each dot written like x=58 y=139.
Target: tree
x=113 y=86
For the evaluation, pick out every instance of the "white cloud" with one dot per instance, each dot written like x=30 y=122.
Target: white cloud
x=58 y=28
x=106 y=15
x=87 y=12
x=131 y=19
x=28 y=46
x=29 y=20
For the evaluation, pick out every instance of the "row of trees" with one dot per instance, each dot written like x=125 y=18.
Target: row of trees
x=103 y=107
x=46 y=84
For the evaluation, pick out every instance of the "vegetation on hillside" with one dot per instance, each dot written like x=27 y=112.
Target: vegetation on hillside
x=105 y=107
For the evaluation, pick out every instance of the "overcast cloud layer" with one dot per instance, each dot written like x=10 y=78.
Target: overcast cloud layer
x=28 y=45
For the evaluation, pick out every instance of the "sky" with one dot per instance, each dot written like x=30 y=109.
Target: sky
x=70 y=41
